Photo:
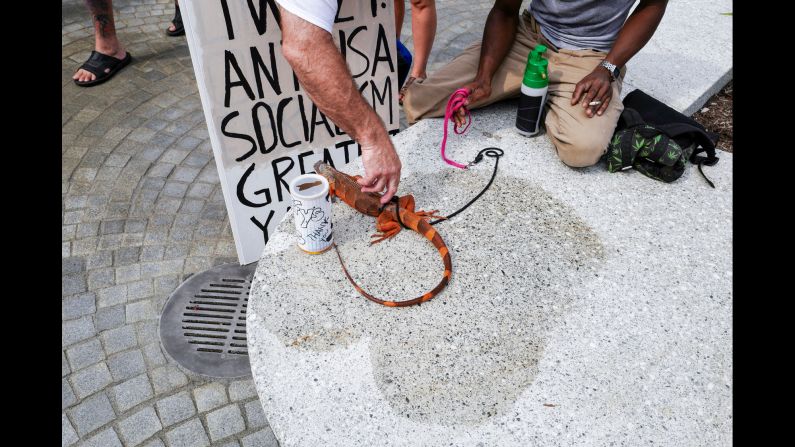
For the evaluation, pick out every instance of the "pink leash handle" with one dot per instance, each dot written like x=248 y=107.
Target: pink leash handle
x=456 y=101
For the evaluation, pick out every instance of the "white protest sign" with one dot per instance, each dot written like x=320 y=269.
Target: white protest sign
x=263 y=128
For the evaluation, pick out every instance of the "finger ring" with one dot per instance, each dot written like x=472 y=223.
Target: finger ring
x=594 y=103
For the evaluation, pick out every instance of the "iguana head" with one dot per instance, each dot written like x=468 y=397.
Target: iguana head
x=325 y=170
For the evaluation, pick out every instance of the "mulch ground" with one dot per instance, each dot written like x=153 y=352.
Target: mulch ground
x=717 y=116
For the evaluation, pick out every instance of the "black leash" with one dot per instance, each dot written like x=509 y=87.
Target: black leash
x=493 y=152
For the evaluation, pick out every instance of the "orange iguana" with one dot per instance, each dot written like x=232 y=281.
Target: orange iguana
x=388 y=224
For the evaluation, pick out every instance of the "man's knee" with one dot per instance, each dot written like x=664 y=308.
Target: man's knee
x=579 y=150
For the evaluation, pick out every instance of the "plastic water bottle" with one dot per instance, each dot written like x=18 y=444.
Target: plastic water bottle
x=534 y=93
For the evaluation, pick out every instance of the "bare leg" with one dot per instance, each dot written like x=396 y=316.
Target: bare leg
x=105 y=40
x=423 y=29
x=400 y=11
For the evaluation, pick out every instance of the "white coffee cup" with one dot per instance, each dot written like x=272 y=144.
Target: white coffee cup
x=312 y=210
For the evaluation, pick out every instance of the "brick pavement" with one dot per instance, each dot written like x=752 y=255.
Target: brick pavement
x=142 y=211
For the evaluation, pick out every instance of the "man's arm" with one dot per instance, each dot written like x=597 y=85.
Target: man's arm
x=498 y=36
x=324 y=75
x=635 y=33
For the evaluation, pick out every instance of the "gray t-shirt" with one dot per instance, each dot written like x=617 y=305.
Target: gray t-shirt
x=581 y=24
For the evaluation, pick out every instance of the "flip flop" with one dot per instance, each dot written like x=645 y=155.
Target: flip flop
x=179 y=28
x=98 y=63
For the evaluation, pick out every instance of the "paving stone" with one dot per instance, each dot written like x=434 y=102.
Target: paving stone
x=139 y=427
x=101 y=278
x=192 y=206
x=72 y=217
x=189 y=434
x=72 y=284
x=175 y=408
x=112 y=296
x=255 y=416
x=85 y=354
x=160 y=170
x=68 y=435
x=152 y=253
x=242 y=389
x=87 y=229
x=73 y=331
x=76 y=306
x=91 y=379
x=262 y=438
x=68 y=233
x=91 y=413
x=174 y=156
x=153 y=355
x=176 y=251
x=140 y=289
x=140 y=310
x=119 y=339
x=201 y=190
x=105 y=438
x=65 y=369
x=134 y=225
x=128 y=273
x=165 y=285
x=162 y=268
x=73 y=265
x=109 y=317
x=185 y=174
x=126 y=364
x=157 y=442
x=110 y=241
x=225 y=422
x=147 y=332
x=132 y=392
x=112 y=226
x=210 y=396
x=232 y=443
x=167 y=204
x=197 y=160
x=68 y=397
x=175 y=189
x=99 y=259
x=167 y=378
x=126 y=256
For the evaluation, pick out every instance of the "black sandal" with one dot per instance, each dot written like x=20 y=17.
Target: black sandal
x=103 y=67
x=179 y=29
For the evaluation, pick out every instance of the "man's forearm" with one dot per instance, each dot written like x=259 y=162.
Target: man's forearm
x=637 y=31
x=498 y=36
x=325 y=77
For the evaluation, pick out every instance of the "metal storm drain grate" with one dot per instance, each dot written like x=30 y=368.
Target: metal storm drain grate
x=203 y=325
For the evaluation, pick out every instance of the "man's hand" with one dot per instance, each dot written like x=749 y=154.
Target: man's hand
x=381 y=169
x=594 y=87
x=478 y=90
x=322 y=71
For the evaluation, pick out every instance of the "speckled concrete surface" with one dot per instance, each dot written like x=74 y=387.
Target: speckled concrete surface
x=585 y=308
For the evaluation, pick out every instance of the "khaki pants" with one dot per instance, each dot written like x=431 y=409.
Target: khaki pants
x=580 y=141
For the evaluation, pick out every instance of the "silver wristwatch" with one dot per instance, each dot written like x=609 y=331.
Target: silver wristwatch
x=614 y=71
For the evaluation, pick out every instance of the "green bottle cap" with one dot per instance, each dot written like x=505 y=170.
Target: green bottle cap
x=535 y=75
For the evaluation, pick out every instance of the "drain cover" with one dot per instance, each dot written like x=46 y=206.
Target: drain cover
x=203 y=325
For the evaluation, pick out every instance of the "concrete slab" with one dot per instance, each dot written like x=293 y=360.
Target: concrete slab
x=585 y=308
x=689 y=58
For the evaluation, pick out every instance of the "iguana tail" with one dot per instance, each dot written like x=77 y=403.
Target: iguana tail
x=425 y=229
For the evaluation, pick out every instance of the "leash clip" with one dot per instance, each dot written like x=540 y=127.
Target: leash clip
x=477 y=160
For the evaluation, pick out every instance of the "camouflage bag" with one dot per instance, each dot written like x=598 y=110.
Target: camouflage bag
x=658 y=141
x=647 y=149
